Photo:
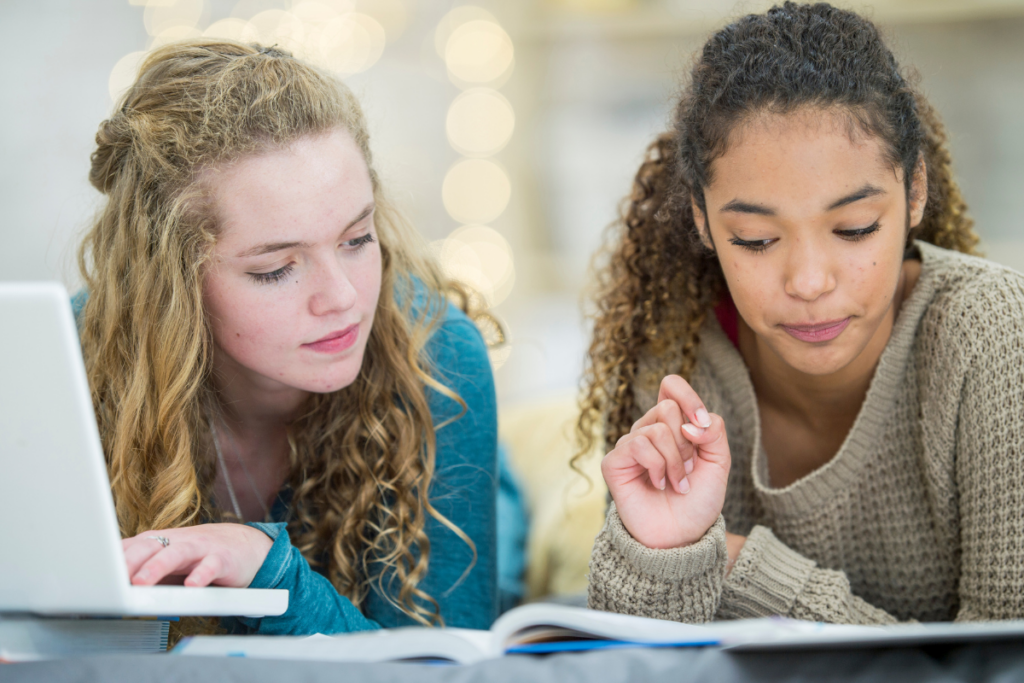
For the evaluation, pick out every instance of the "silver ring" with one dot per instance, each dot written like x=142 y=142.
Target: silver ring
x=162 y=540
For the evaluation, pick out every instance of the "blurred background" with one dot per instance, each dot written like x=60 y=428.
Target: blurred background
x=508 y=131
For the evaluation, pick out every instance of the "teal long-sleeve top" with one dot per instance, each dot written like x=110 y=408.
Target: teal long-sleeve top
x=464 y=490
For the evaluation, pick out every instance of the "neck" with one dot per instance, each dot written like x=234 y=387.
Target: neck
x=253 y=404
x=252 y=435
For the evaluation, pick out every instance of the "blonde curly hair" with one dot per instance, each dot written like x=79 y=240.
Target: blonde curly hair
x=362 y=458
x=658 y=284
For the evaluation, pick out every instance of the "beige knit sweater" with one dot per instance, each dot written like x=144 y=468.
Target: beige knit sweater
x=920 y=515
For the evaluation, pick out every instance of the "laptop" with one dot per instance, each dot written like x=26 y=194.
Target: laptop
x=60 y=547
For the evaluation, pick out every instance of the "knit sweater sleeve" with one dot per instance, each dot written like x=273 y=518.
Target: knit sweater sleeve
x=769 y=578
x=681 y=584
x=689 y=585
x=989 y=464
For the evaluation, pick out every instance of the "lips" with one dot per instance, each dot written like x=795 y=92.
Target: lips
x=336 y=341
x=818 y=332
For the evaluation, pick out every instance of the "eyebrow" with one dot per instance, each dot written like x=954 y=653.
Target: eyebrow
x=862 y=193
x=270 y=247
x=737 y=206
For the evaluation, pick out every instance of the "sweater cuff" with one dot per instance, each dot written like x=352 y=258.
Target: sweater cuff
x=276 y=564
x=766 y=579
x=674 y=564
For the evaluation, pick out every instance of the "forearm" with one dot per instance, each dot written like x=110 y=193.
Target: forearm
x=314 y=606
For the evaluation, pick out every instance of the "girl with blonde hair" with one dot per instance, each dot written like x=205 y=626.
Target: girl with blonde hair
x=285 y=393
x=811 y=391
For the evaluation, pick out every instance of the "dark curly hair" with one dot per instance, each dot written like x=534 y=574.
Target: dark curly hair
x=659 y=283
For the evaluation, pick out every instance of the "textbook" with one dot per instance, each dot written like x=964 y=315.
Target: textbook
x=533 y=628
x=26 y=638
x=541 y=628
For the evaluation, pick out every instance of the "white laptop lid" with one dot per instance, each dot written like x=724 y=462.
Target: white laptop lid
x=60 y=547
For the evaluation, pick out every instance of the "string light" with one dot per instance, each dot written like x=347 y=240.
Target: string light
x=476 y=190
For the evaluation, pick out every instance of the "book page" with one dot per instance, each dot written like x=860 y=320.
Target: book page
x=540 y=622
x=463 y=646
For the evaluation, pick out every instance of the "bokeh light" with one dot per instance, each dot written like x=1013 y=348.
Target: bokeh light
x=392 y=15
x=161 y=17
x=315 y=14
x=480 y=122
x=454 y=19
x=124 y=73
x=173 y=35
x=329 y=33
x=478 y=51
x=476 y=191
x=481 y=258
x=231 y=28
x=274 y=27
x=247 y=9
x=350 y=43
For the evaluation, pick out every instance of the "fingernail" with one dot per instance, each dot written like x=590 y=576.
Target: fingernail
x=144 y=574
x=692 y=430
x=684 y=485
x=661 y=484
x=688 y=465
x=703 y=419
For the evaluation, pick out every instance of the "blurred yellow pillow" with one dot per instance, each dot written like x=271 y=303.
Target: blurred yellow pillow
x=566 y=512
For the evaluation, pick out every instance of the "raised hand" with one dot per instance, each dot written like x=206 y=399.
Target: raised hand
x=668 y=475
x=220 y=554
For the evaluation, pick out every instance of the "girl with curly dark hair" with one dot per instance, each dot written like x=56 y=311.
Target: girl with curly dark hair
x=811 y=391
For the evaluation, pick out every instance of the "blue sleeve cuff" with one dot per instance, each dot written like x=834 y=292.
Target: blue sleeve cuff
x=277 y=563
x=314 y=606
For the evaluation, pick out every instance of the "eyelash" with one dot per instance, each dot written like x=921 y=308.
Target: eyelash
x=270 y=278
x=358 y=243
x=859 y=233
x=759 y=246
x=273 y=276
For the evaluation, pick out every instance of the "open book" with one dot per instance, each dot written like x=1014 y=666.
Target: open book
x=543 y=628
x=533 y=628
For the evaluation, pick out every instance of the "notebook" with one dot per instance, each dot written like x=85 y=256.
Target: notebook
x=60 y=547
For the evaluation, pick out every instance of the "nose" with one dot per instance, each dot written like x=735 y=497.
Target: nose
x=809 y=273
x=333 y=291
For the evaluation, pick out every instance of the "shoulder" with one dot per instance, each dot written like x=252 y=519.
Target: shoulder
x=455 y=344
x=454 y=355
x=450 y=329
x=977 y=309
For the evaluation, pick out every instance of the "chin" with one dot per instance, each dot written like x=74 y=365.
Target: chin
x=327 y=385
x=324 y=380
x=816 y=360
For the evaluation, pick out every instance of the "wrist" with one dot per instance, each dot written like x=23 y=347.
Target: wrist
x=733 y=545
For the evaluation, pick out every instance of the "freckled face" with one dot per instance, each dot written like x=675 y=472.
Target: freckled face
x=809 y=226
x=295 y=276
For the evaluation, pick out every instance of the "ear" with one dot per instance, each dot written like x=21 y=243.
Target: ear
x=701 y=221
x=918 y=192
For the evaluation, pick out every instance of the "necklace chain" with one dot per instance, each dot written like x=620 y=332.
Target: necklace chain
x=227 y=476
